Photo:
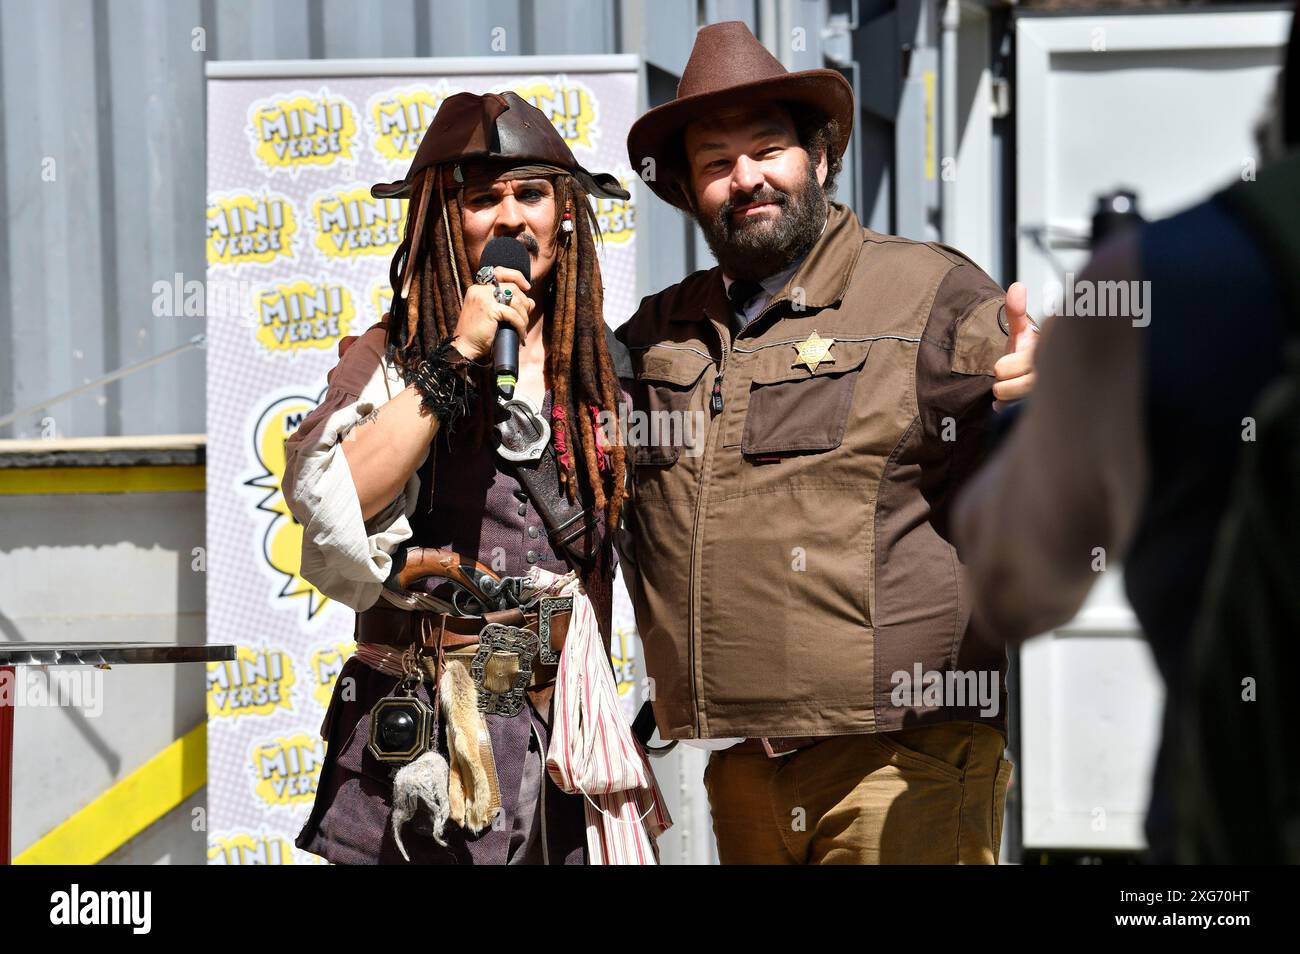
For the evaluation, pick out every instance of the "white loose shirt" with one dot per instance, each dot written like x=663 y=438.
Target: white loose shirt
x=345 y=557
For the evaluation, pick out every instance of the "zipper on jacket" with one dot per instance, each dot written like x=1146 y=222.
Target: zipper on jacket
x=715 y=397
x=715 y=402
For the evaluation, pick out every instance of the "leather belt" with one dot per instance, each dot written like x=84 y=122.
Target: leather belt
x=390 y=659
x=507 y=652
x=776 y=747
x=398 y=627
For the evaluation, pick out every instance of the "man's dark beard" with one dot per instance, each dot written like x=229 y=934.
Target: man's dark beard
x=758 y=250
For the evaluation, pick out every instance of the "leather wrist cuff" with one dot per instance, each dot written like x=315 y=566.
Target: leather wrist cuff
x=446 y=387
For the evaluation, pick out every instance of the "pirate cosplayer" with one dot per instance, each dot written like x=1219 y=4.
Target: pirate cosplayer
x=817 y=637
x=464 y=516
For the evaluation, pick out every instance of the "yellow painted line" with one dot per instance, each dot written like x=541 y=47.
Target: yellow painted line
x=128 y=808
x=35 y=481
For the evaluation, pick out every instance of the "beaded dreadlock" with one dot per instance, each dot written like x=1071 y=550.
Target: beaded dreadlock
x=578 y=365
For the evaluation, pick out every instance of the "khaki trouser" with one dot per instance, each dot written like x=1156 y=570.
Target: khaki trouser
x=928 y=795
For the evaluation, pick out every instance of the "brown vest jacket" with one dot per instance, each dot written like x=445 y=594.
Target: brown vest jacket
x=795 y=573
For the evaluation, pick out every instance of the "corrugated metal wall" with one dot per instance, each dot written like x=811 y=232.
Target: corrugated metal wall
x=102 y=189
x=102 y=195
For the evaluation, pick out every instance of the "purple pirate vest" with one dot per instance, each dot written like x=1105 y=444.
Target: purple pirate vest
x=471 y=502
x=471 y=505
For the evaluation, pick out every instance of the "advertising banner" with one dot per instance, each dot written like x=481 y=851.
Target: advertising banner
x=298 y=255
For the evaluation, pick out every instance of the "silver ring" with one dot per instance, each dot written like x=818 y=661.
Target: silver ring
x=503 y=295
x=485 y=276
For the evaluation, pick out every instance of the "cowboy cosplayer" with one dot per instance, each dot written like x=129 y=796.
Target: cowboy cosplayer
x=465 y=519
x=817 y=634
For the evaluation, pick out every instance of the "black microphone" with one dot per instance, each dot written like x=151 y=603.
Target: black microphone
x=506 y=253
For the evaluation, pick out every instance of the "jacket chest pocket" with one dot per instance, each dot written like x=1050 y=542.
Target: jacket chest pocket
x=794 y=408
x=669 y=414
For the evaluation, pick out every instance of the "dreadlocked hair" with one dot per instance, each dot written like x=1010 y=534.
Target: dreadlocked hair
x=578 y=366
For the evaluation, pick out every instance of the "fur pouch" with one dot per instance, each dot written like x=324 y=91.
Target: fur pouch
x=422 y=782
x=474 y=792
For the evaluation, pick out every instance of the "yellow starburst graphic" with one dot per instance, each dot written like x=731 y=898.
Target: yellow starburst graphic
x=381 y=298
x=624 y=671
x=247 y=848
x=255 y=682
x=302 y=129
x=326 y=664
x=399 y=118
x=248 y=228
x=350 y=222
x=282 y=543
x=617 y=217
x=288 y=768
x=303 y=314
x=569 y=104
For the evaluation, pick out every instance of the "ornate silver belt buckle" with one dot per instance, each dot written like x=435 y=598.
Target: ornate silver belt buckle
x=503 y=667
x=547 y=607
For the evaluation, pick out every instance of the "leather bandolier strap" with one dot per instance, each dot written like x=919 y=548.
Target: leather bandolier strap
x=573 y=529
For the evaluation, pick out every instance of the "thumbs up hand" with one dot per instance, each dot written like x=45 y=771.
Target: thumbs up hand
x=1014 y=371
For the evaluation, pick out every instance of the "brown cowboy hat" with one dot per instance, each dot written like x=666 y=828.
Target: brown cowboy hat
x=495 y=126
x=729 y=67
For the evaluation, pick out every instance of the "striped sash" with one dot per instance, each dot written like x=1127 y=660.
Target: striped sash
x=592 y=749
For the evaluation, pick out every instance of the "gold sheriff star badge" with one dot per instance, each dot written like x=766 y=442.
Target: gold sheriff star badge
x=813 y=351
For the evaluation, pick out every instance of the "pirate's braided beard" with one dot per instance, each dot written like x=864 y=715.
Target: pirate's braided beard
x=578 y=365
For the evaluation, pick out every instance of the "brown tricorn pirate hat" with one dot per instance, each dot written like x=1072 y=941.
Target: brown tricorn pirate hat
x=729 y=68
x=495 y=126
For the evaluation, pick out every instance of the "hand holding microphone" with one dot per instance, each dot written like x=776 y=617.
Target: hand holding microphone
x=495 y=314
